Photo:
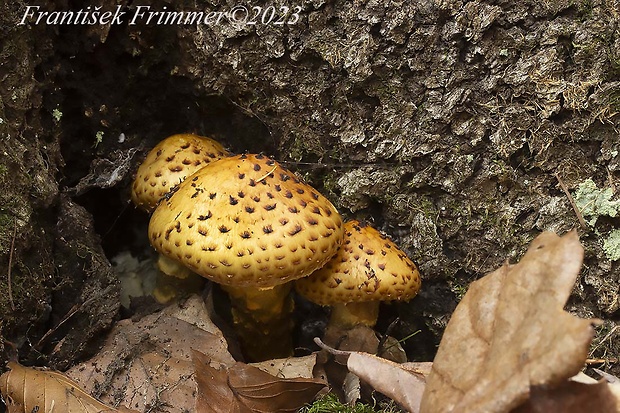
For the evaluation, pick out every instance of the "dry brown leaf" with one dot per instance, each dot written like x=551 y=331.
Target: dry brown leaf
x=243 y=388
x=147 y=364
x=403 y=383
x=27 y=390
x=289 y=368
x=510 y=332
x=392 y=379
x=571 y=397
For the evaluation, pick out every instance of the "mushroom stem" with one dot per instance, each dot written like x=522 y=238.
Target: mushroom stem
x=262 y=320
x=174 y=280
x=348 y=315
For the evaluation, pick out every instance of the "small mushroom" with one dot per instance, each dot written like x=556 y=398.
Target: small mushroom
x=169 y=163
x=250 y=225
x=165 y=166
x=368 y=269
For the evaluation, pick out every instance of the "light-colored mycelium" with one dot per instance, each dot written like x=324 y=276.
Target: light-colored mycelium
x=250 y=225
x=368 y=269
x=169 y=163
x=166 y=166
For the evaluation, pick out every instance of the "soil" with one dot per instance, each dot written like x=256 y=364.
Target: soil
x=451 y=126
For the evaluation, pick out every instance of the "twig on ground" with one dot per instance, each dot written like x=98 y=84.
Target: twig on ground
x=572 y=201
x=9 y=280
x=601 y=361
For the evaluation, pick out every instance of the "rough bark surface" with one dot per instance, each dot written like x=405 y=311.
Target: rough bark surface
x=449 y=124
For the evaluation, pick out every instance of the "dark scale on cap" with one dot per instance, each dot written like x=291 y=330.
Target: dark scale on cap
x=194 y=179
x=256 y=198
x=284 y=177
x=252 y=183
x=177 y=168
x=202 y=232
x=256 y=167
x=260 y=156
x=241 y=194
x=205 y=217
x=283 y=221
x=170 y=158
x=185 y=145
x=236 y=220
x=277 y=187
x=288 y=194
x=315 y=196
x=232 y=200
x=241 y=176
x=302 y=203
x=212 y=195
x=300 y=191
x=267 y=229
x=297 y=229
x=246 y=235
x=293 y=210
x=186 y=162
x=269 y=195
x=249 y=209
x=270 y=207
x=223 y=229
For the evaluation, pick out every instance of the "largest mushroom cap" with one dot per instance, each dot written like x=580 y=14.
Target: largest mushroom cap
x=246 y=221
x=368 y=267
x=169 y=163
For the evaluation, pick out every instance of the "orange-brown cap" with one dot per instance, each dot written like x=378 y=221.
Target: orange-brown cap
x=169 y=163
x=368 y=267
x=246 y=221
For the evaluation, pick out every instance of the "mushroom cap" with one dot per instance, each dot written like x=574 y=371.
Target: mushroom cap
x=169 y=163
x=368 y=267
x=246 y=221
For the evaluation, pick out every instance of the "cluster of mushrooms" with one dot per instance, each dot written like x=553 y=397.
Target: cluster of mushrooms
x=250 y=225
